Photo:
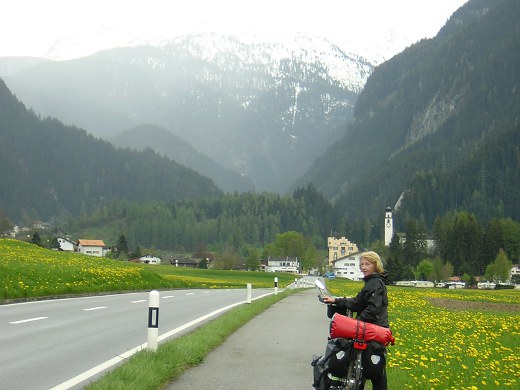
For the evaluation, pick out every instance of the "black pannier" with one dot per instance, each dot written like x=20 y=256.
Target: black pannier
x=373 y=360
x=333 y=365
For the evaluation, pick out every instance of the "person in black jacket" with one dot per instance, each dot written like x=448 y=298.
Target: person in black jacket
x=371 y=305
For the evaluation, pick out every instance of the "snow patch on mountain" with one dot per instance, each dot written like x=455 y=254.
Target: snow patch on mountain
x=348 y=69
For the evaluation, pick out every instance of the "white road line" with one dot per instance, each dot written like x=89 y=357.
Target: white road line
x=190 y=294
x=95 y=308
x=109 y=363
x=168 y=296
x=139 y=301
x=28 y=320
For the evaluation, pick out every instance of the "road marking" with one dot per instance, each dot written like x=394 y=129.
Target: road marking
x=95 y=308
x=139 y=301
x=168 y=296
x=118 y=359
x=190 y=294
x=28 y=320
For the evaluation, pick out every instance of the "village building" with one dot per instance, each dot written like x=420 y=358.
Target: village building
x=66 y=245
x=339 y=247
x=188 y=262
x=286 y=264
x=149 y=259
x=92 y=247
x=348 y=267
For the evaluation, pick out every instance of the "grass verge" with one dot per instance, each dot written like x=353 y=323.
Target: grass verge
x=153 y=370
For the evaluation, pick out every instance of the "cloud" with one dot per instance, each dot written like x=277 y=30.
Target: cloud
x=34 y=25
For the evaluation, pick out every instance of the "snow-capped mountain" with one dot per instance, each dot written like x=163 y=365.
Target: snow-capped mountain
x=262 y=109
x=348 y=68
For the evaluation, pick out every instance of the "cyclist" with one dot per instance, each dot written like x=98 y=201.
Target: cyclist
x=371 y=305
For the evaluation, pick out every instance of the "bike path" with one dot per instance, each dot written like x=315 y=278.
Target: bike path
x=272 y=351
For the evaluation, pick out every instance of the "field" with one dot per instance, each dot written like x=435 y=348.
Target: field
x=28 y=271
x=450 y=339
x=446 y=339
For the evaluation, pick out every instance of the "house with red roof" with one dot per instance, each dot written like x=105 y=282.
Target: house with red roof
x=92 y=247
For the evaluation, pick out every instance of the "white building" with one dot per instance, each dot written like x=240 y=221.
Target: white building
x=348 y=267
x=283 y=264
x=66 y=245
x=417 y=283
x=149 y=259
x=92 y=247
x=515 y=270
x=14 y=232
x=389 y=226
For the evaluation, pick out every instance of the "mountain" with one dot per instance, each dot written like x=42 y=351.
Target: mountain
x=436 y=128
x=50 y=169
x=167 y=144
x=264 y=110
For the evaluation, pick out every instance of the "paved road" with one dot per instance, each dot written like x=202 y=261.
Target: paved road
x=63 y=342
x=271 y=352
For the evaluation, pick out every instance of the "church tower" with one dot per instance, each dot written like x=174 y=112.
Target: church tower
x=389 y=226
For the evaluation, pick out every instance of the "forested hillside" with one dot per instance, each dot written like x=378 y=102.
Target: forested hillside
x=233 y=225
x=235 y=221
x=49 y=169
x=168 y=144
x=436 y=128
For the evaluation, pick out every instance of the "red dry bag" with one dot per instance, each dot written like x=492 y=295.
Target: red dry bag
x=349 y=328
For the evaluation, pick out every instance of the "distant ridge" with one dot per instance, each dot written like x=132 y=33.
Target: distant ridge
x=262 y=110
x=50 y=170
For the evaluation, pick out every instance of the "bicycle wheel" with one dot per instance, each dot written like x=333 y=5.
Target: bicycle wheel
x=354 y=378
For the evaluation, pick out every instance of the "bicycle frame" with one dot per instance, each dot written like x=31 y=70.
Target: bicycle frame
x=354 y=379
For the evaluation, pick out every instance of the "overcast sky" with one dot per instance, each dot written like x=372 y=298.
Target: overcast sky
x=31 y=27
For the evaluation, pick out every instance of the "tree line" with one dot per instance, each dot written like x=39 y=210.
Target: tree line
x=251 y=226
x=457 y=244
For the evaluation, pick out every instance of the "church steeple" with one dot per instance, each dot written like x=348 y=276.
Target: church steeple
x=389 y=226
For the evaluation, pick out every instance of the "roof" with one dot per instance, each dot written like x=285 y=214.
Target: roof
x=282 y=258
x=91 y=242
x=346 y=257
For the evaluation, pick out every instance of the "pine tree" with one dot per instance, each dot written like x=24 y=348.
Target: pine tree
x=55 y=243
x=36 y=239
x=121 y=246
x=394 y=263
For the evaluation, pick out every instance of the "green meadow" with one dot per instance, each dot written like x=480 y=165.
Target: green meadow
x=445 y=339
x=28 y=271
x=450 y=339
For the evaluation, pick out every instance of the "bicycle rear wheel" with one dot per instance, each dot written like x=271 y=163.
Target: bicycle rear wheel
x=354 y=379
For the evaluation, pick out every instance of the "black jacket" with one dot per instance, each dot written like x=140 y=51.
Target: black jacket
x=371 y=303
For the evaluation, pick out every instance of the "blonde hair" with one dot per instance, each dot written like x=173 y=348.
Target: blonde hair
x=373 y=258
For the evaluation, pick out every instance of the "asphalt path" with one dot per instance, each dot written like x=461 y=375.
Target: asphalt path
x=273 y=351
x=66 y=343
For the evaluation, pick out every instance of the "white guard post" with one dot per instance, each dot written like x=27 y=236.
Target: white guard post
x=276 y=285
x=248 y=297
x=153 y=320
